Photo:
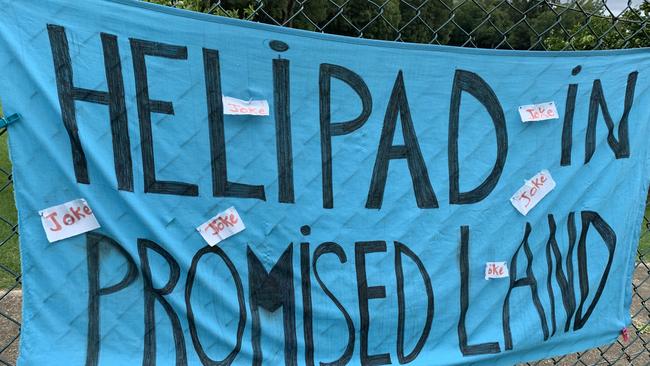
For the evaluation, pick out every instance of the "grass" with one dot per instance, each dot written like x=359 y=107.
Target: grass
x=644 y=242
x=9 y=252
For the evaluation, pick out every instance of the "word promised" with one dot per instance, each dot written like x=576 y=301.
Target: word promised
x=67 y=220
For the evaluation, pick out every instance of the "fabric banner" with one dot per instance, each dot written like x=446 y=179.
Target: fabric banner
x=271 y=196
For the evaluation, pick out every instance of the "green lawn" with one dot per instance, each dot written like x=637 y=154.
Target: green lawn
x=644 y=243
x=9 y=254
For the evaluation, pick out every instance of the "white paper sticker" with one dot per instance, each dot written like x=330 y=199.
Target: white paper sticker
x=69 y=219
x=222 y=226
x=538 y=112
x=496 y=270
x=533 y=191
x=234 y=106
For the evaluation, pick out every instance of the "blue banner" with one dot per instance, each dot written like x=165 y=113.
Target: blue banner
x=264 y=195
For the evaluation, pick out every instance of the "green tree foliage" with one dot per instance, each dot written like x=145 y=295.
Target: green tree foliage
x=509 y=24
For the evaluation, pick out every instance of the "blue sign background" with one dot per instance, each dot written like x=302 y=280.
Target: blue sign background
x=58 y=277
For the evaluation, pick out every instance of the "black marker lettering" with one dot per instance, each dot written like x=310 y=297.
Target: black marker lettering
x=333 y=248
x=329 y=129
x=93 y=241
x=151 y=295
x=515 y=282
x=366 y=293
x=620 y=147
x=401 y=249
x=479 y=89
x=281 y=100
x=567 y=127
x=465 y=348
x=203 y=356
x=569 y=300
x=114 y=98
x=270 y=291
x=146 y=106
x=221 y=186
x=307 y=317
x=609 y=238
x=410 y=151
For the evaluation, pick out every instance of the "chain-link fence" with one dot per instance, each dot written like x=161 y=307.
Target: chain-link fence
x=10 y=287
x=504 y=24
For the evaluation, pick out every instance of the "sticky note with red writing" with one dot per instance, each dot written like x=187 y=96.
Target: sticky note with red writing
x=496 y=270
x=67 y=220
x=222 y=226
x=234 y=106
x=533 y=191
x=538 y=112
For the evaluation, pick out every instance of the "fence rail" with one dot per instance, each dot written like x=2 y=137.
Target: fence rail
x=502 y=24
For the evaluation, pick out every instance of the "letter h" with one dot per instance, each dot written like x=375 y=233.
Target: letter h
x=113 y=98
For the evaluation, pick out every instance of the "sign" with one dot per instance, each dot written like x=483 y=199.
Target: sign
x=533 y=190
x=67 y=220
x=496 y=270
x=372 y=199
x=234 y=106
x=538 y=112
x=222 y=226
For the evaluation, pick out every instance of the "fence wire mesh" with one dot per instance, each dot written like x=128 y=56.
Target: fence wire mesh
x=500 y=24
